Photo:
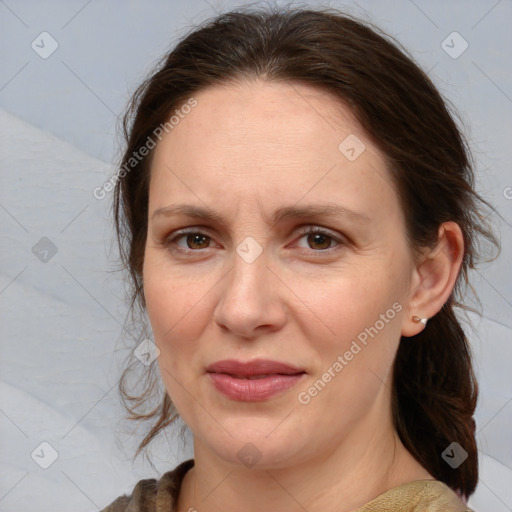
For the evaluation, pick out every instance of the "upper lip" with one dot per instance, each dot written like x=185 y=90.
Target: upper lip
x=252 y=368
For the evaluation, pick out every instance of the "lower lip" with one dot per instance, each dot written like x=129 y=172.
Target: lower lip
x=253 y=390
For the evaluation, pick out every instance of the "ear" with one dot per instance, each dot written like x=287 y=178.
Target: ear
x=434 y=278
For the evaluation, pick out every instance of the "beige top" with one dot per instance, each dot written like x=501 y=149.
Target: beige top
x=161 y=495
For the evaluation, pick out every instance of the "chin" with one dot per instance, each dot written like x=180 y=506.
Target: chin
x=258 y=448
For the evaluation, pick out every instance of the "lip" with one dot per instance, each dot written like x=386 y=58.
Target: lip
x=253 y=381
x=252 y=368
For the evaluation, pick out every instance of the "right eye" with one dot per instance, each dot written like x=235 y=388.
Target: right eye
x=193 y=239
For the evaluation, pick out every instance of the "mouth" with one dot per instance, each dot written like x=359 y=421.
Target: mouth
x=254 y=368
x=254 y=377
x=253 y=381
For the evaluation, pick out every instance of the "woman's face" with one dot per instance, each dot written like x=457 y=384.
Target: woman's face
x=254 y=282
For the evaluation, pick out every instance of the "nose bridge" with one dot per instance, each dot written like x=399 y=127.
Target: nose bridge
x=249 y=273
x=249 y=299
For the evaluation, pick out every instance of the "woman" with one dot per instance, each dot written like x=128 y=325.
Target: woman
x=295 y=206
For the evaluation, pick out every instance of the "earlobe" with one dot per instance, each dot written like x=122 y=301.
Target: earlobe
x=437 y=272
x=418 y=320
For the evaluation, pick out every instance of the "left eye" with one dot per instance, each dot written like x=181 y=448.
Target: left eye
x=319 y=237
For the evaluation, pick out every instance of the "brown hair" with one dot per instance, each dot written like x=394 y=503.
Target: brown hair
x=434 y=388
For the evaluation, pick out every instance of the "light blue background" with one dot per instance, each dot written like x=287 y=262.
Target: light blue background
x=61 y=321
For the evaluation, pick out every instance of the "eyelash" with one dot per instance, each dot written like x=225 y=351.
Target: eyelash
x=307 y=230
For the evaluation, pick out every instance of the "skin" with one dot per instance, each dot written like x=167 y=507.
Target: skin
x=246 y=150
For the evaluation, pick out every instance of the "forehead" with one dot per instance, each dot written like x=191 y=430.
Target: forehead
x=269 y=141
x=262 y=119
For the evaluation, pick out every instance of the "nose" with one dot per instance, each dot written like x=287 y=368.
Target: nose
x=252 y=299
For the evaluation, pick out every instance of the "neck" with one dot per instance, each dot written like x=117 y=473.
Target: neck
x=366 y=463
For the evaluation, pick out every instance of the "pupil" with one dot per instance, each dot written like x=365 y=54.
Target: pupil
x=196 y=239
x=316 y=240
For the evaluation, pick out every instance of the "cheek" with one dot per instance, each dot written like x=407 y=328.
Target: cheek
x=174 y=309
x=173 y=295
x=174 y=314
x=338 y=310
x=355 y=334
x=354 y=359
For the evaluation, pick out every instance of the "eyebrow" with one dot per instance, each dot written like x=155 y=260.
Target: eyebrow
x=286 y=212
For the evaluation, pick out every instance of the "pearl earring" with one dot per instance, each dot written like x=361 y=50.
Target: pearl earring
x=417 y=320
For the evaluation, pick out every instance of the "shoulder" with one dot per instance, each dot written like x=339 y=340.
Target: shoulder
x=141 y=499
x=440 y=497
x=149 y=493
x=417 y=496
